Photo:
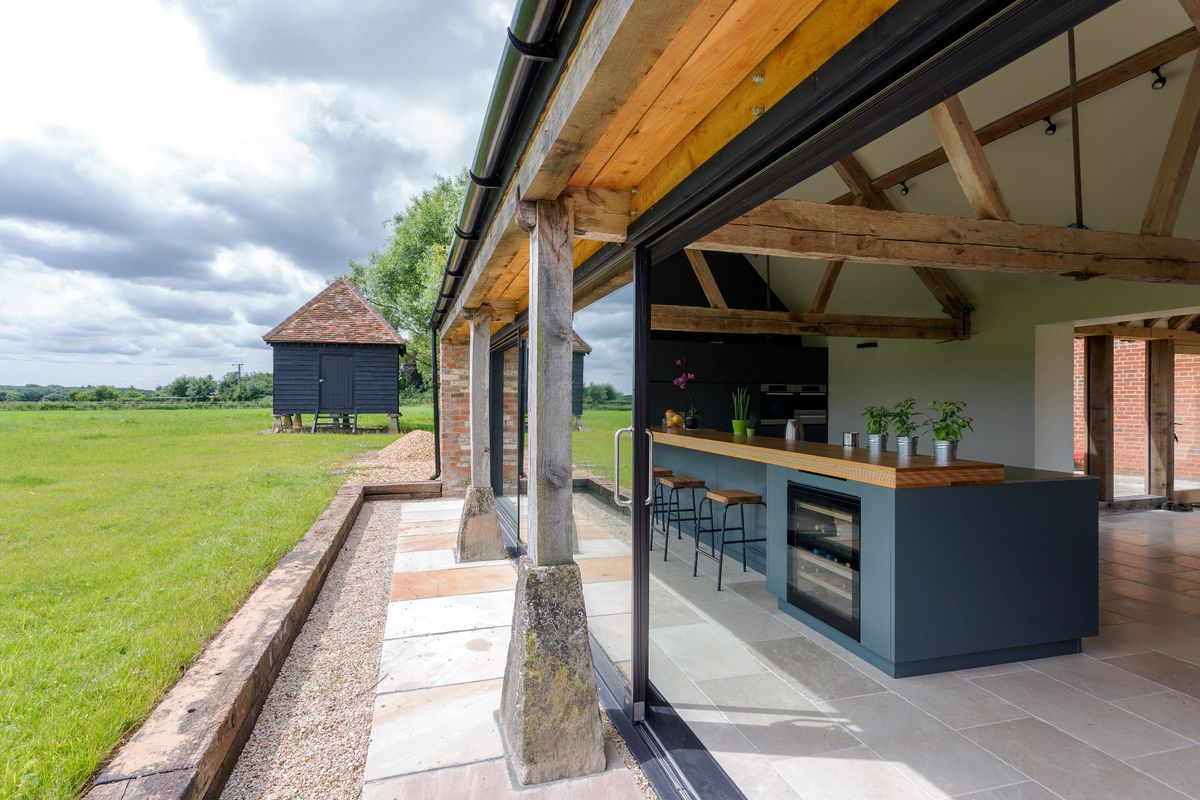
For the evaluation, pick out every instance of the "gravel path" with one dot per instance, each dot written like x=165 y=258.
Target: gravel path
x=311 y=738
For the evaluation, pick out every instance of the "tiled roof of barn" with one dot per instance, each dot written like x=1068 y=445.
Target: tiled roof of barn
x=339 y=314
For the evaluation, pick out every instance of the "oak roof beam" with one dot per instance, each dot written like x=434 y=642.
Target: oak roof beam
x=971 y=168
x=697 y=319
x=1179 y=157
x=1090 y=86
x=1140 y=332
x=803 y=229
x=704 y=275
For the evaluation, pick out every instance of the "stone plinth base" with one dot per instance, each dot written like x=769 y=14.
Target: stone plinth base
x=479 y=530
x=548 y=713
x=393 y=423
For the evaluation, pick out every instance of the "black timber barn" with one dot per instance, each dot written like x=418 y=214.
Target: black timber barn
x=336 y=355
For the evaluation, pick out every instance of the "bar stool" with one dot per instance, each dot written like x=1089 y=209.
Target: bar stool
x=675 y=484
x=728 y=498
x=658 y=508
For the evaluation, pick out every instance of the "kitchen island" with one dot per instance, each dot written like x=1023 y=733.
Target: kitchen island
x=915 y=566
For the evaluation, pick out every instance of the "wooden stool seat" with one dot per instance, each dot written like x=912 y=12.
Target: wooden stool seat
x=681 y=482
x=662 y=472
x=734 y=497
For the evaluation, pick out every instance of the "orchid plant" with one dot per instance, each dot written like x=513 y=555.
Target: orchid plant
x=681 y=382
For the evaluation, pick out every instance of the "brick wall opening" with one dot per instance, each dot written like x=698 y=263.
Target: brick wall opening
x=1130 y=434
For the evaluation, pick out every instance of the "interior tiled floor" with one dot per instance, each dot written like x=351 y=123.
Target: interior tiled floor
x=788 y=713
x=435 y=732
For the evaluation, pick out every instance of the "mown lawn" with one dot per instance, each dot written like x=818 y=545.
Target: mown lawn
x=126 y=539
x=592 y=447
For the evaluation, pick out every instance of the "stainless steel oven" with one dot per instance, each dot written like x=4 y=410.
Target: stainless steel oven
x=807 y=403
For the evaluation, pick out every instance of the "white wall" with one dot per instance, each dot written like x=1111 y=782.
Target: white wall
x=1014 y=372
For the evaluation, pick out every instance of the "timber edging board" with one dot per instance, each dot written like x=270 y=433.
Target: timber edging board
x=850 y=463
x=191 y=741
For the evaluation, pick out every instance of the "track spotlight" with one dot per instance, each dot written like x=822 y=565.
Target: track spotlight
x=1051 y=128
x=1160 y=80
x=904 y=187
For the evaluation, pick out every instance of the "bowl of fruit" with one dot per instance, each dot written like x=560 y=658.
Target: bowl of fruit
x=672 y=419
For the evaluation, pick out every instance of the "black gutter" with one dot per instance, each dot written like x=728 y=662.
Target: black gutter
x=437 y=444
x=917 y=54
x=539 y=38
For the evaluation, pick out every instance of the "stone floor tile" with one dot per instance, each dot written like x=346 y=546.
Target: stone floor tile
x=1065 y=765
x=1170 y=672
x=813 y=670
x=774 y=717
x=1089 y=719
x=745 y=620
x=1179 y=769
x=608 y=597
x=443 y=582
x=992 y=669
x=1163 y=639
x=953 y=700
x=704 y=652
x=420 y=662
x=448 y=614
x=1094 y=677
x=852 y=774
x=431 y=728
x=929 y=753
x=1110 y=643
x=614 y=632
x=756 y=592
x=1172 y=710
x=1027 y=790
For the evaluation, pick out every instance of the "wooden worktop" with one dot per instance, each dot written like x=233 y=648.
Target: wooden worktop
x=851 y=463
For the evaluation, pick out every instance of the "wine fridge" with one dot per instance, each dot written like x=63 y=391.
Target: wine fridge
x=823 y=556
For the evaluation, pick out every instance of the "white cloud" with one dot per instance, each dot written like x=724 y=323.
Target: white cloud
x=179 y=176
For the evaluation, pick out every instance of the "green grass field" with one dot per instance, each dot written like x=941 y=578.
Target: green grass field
x=126 y=539
x=592 y=447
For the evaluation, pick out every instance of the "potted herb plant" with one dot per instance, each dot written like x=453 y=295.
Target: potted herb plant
x=750 y=423
x=741 y=410
x=948 y=428
x=879 y=419
x=691 y=417
x=904 y=423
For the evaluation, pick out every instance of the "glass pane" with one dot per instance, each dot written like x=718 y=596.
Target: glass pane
x=505 y=368
x=1187 y=424
x=602 y=404
x=1130 y=437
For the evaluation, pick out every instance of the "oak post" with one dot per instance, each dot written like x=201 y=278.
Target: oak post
x=480 y=347
x=551 y=291
x=1098 y=369
x=1160 y=416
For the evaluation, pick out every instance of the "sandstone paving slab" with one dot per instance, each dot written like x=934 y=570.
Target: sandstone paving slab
x=420 y=662
x=444 y=582
x=448 y=614
x=430 y=728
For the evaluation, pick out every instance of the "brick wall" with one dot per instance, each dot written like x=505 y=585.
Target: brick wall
x=1129 y=418
x=454 y=414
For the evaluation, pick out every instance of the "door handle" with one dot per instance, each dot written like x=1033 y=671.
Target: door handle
x=650 y=468
x=617 y=468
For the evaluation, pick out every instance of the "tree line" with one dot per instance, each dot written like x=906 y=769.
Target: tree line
x=197 y=388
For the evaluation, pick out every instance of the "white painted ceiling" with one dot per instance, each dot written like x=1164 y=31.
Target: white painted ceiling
x=1123 y=133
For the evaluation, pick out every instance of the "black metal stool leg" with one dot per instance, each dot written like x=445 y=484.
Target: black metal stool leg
x=742 y=511
x=721 y=557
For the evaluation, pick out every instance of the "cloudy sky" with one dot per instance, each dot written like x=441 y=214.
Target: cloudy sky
x=176 y=177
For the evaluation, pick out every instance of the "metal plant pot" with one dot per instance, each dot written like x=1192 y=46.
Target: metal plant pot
x=876 y=442
x=906 y=446
x=850 y=439
x=945 y=451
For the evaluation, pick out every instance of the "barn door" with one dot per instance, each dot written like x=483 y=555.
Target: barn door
x=337 y=382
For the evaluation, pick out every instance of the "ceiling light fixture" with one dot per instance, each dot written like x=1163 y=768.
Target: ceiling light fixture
x=904 y=187
x=1050 y=126
x=1160 y=80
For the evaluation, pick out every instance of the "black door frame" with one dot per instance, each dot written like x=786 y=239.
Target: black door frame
x=321 y=357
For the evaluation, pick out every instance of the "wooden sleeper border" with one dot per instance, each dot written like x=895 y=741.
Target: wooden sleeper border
x=191 y=741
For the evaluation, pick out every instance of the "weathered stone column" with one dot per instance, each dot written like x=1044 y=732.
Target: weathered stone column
x=394 y=423
x=479 y=530
x=549 y=713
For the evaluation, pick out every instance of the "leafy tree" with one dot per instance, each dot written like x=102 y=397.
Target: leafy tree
x=201 y=387
x=132 y=394
x=598 y=394
x=105 y=393
x=403 y=277
x=176 y=388
x=11 y=396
